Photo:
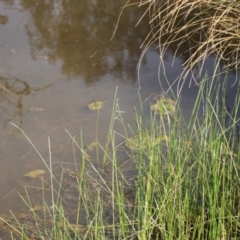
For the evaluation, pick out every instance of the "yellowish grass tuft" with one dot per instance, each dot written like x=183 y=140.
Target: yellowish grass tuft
x=195 y=29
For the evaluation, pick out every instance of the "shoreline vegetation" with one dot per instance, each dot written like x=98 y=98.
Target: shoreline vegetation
x=186 y=183
x=195 y=30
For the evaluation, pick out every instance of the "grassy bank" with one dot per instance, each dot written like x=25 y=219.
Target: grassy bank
x=185 y=186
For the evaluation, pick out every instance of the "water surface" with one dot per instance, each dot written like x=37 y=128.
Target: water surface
x=57 y=57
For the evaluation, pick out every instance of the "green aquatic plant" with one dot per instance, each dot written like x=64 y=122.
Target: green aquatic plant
x=164 y=106
x=140 y=141
x=96 y=105
x=92 y=145
x=35 y=173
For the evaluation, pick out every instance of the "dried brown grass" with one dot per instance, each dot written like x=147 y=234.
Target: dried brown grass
x=196 y=29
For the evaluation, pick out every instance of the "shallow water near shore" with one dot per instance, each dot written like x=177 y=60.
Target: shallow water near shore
x=56 y=58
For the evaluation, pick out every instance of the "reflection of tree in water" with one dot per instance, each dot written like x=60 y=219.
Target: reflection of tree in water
x=79 y=32
x=14 y=89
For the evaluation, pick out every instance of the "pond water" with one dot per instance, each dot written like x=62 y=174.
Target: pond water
x=56 y=58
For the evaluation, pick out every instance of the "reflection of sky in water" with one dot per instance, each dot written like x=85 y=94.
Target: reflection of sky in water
x=67 y=59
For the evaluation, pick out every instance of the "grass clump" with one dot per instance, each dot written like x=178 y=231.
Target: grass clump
x=191 y=191
x=195 y=30
x=184 y=188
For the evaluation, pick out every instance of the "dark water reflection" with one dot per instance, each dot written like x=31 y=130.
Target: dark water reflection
x=56 y=57
x=78 y=34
